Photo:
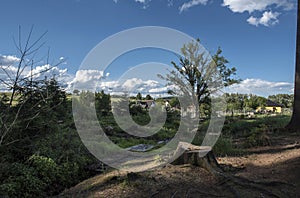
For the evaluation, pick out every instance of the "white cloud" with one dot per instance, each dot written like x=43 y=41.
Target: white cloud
x=109 y=85
x=260 y=87
x=48 y=71
x=256 y=5
x=7 y=66
x=86 y=79
x=7 y=60
x=163 y=89
x=267 y=19
x=269 y=16
x=191 y=3
x=129 y=84
x=84 y=76
x=137 y=84
x=37 y=73
x=145 y=3
x=140 y=1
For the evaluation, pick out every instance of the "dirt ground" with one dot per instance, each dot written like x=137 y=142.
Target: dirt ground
x=272 y=171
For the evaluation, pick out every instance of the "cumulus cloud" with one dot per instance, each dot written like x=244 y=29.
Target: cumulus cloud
x=86 y=79
x=84 y=76
x=138 y=85
x=8 y=72
x=109 y=85
x=7 y=66
x=129 y=86
x=191 y=3
x=7 y=60
x=46 y=71
x=162 y=89
x=260 y=87
x=267 y=19
x=270 y=9
x=255 y=5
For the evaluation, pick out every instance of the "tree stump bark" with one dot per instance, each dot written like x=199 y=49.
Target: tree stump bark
x=201 y=156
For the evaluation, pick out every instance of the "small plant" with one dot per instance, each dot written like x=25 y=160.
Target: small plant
x=258 y=137
x=224 y=147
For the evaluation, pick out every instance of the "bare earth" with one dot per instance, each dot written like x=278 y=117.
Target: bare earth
x=272 y=171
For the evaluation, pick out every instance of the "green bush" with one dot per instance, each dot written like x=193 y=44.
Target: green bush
x=22 y=181
x=224 y=147
x=69 y=174
x=258 y=137
x=47 y=170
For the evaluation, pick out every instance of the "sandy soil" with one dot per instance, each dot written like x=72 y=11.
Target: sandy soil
x=272 y=171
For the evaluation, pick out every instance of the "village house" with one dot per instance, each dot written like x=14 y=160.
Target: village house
x=270 y=106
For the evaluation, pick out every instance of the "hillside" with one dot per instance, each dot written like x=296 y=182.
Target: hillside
x=270 y=171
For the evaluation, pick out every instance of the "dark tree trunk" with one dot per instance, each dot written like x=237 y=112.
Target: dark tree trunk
x=294 y=123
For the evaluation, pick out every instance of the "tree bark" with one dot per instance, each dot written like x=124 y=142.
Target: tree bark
x=194 y=155
x=294 y=122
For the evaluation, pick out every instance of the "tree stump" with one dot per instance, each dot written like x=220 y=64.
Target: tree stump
x=195 y=155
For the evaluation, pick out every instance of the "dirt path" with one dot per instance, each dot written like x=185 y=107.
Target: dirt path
x=268 y=172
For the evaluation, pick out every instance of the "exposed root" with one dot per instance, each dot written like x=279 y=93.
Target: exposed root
x=232 y=182
x=201 y=193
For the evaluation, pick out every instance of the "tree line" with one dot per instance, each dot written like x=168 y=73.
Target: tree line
x=250 y=102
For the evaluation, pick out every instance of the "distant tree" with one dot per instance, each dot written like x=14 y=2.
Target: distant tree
x=76 y=92
x=284 y=99
x=174 y=102
x=102 y=102
x=41 y=104
x=235 y=102
x=197 y=70
x=294 y=122
x=148 y=97
x=204 y=109
x=253 y=102
x=139 y=96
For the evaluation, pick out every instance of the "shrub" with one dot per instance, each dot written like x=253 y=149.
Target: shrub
x=224 y=147
x=258 y=137
x=23 y=181
x=46 y=168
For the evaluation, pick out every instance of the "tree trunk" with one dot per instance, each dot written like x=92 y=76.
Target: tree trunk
x=294 y=123
x=195 y=155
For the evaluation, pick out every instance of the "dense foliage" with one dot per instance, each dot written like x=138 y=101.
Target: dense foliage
x=42 y=153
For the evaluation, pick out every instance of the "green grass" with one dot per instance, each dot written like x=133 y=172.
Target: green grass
x=240 y=127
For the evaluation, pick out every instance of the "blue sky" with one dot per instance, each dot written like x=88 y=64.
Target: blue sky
x=257 y=37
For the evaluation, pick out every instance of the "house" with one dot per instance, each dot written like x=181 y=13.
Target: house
x=270 y=106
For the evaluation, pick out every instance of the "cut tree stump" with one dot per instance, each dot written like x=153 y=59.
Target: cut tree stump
x=201 y=156
x=236 y=185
